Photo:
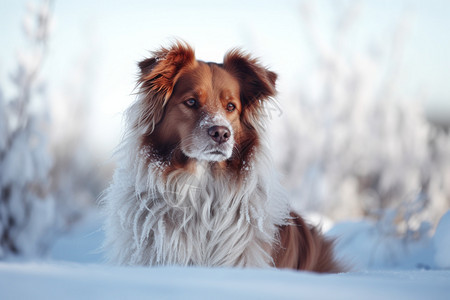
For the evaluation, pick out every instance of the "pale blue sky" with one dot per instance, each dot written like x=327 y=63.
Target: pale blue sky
x=114 y=35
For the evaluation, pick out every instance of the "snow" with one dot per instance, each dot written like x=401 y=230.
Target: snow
x=442 y=242
x=75 y=270
x=77 y=281
x=82 y=244
x=367 y=245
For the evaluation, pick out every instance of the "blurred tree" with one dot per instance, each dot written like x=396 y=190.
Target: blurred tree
x=26 y=205
x=353 y=147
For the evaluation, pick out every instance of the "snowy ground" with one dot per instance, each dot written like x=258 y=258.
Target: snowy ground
x=79 y=281
x=75 y=270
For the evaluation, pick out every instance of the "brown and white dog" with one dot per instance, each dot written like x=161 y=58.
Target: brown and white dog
x=195 y=183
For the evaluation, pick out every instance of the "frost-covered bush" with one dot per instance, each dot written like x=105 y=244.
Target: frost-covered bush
x=26 y=204
x=353 y=147
x=50 y=176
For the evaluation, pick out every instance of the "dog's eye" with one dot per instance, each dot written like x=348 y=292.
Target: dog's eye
x=191 y=102
x=231 y=107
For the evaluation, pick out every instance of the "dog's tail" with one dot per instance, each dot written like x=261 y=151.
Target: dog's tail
x=303 y=247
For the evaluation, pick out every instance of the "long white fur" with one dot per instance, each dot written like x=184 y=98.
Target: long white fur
x=190 y=218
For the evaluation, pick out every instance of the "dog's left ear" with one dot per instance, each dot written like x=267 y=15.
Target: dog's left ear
x=257 y=83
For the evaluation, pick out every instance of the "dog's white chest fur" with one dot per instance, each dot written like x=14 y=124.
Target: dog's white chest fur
x=192 y=218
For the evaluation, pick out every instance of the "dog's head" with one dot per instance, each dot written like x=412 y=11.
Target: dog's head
x=192 y=110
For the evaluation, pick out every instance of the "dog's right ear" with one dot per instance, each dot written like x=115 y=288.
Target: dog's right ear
x=160 y=72
x=157 y=78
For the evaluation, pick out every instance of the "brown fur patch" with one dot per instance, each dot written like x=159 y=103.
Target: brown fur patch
x=302 y=247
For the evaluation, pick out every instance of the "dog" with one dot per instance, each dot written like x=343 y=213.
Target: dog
x=195 y=183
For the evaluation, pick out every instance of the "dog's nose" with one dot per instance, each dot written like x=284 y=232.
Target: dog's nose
x=220 y=134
